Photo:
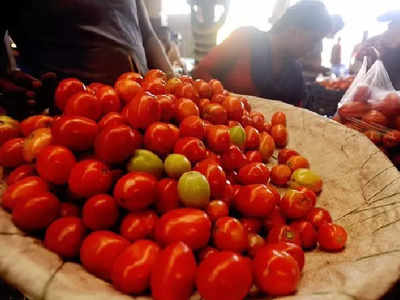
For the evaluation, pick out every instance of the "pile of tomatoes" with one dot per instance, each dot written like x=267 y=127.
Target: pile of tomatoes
x=337 y=84
x=162 y=185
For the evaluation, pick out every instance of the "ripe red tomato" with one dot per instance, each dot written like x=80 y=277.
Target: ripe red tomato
x=36 y=141
x=127 y=89
x=390 y=106
x=252 y=225
x=173 y=274
x=65 y=89
x=391 y=139
x=203 y=88
x=186 y=90
x=160 y=138
x=274 y=219
x=131 y=76
x=34 y=122
x=275 y=272
x=132 y=269
x=85 y=105
x=155 y=73
x=140 y=225
x=100 y=212
x=217 y=270
x=109 y=99
x=74 y=132
x=27 y=187
x=217 y=209
x=233 y=158
x=255 y=200
x=280 y=135
x=185 y=108
x=95 y=86
x=214 y=113
x=99 y=251
x=111 y=118
x=136 y=190
x=216 y=86
x=253 y=156
x=69 y=210
x=317 y=216
x=168 y=107
x=285 y=154
x=297 y=161
x=172 y=84
x=278 y=118
x=116 y=143
x=36 y=212
x=202 y=104
x=307 y=232
x=246 y=104
x=332 y=237
x=229 y=234
x=280 y=174
x=156 y=86
x=218 y=138
x=258 y=120
x=192 y=126
x=9 y=128
x=234 y=106
x=254 y=173
x=293 y=250
x=296 y=204
x=20 y=173
x=11 y=153
x=143 y=110
x=215 y=176
x=283 y=233
x=192 y=148
x=89 y=177
x=65 y=236
x=189 y=225
x=252 y=138
x=206 y=252
x=256 y=242
x=267 y=146
x=167 y=195
x=246 y=120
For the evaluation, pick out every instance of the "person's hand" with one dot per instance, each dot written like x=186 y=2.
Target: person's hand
x=19 y=84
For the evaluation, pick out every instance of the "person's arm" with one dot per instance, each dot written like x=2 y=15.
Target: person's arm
x=155 y=53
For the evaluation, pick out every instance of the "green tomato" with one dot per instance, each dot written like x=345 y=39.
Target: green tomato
x=176 y=164
x=194 y=190
x=238 y=135
x=307 y=178
x=146 y=161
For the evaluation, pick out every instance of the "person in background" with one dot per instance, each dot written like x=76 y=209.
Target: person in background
x=169 y=41
x=356 y=59
x=264 y=64
x=336 y=58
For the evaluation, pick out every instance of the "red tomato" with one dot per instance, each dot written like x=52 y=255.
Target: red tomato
x=216 y=86
x=35 y=142
x=192 y=126
x=255 y=200
x=34 y=122
x=246 y=120
x=11 y=153
x=35 y=212
x=116 y=143
x=73 y=132
x=100 y=250
x=155 y=73
x=143 y=110
x=136 y=190
x=215 y=113
x=246 y=104
x=100 y=212
x=279 y=134
x=274 y=219
x=202 y=104
x=280 y=174
x=109 y=99
x=206 y=252
x=332 y=237
x=192 y=148
x=89 y=177
x=224 y=276
x=203 y=88
x=111 y=118
x=186 y=90
x=168 y=107
x=296 y=204
x=275 y=272
x=185 y=108
x=267 y=146
x=189 y=225
x=20 y=173
x=254 y=173
x=258 y=120
x=283 y=233
x=172 y=84
x=95 y=86
x=252 y=138
x=310 y=194
x=256 y=242
x=140 y=225
x=156 y=86
x=65 y=89
x=54 y=164
x=27 y=187
x=132 y=269
x=127 y=89
x=391 y=139
x=252 y=225
x=159 y=138
x=307 y=232
x=218 y=138
x=234 y=106
x=131 y=76
x=278 y=118
x=65 y=236
x=85 y=105
x=297 y=161
x=275 y=192
x=228 y=193
x=173 y=274
x=215 y=176
x=69 y=210
x=229 y=234
x=293 y=250
x=217 y=209
x=254 y=156
x=233 y=158
x=167 y=195
x=317 y=216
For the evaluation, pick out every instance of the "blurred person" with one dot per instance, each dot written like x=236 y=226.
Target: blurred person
x=170 y=43
x=336 y=58
x=356 y=60
x=259 y=63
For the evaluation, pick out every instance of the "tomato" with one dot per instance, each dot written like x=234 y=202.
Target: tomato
x=216 y=86
x=167 y=195
x=375 y=136
x=35 y=142
x=252 y=225
x=255 y=200
x=9 y=129
x=293 y=250
x=36 y=211
x=229 y=234
x=275 y=272
x=69 y=210
x=109 y=99
x=160 y=138
x=172 y=84
x=279 y=134
x=258 y=120
x=34 y=122
x=99 y=251
x=202 y=103
x=131 y=76
x=253 y=156
x=275 y=192
x=252 y=138
x=20 y=173
x=267 y=127
x=203 y=88
x=116 y=143
x=246 y=120
x=89 y=177
x=85 y=105
x=278 y=118
x=283 y=233
x=189 y=225
x=215 y=176
x=27 y=187
x=74 y=132
x=218 y=98
x=193 y=148
x=224 y=276
x=234 y=106
x=317 y=216
x=285 y=154
x=194 y=190
x=155 y=73
x=307 y=232
x=186 y=90
x=375 y=117
x=65 y=236
x=136 y=190
x=391 y=139
x=274 y=219
x=256 y=242
x=95 y=86
x=254 y=173
x=332 y=237
x=390 y=106
x=174 y=273
x=280 y=175
x=217 y=209
x=296 y=204
x=267 y=146
x=132 y=269
x=127 y=89
x=192 y=126
x=233 y=159
x=65 y=89
x=206 y=252
x=11 y=153
x=228 y=193
x=140 y=225
x=306 y=178
x=215 y=113
x=296 y=162
x=185 y=108
x=100 y=212
x=246 y=104
x=143 y=110
x=111 y=118
x=362 y=93
x=156 y=86
x=354 y=109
